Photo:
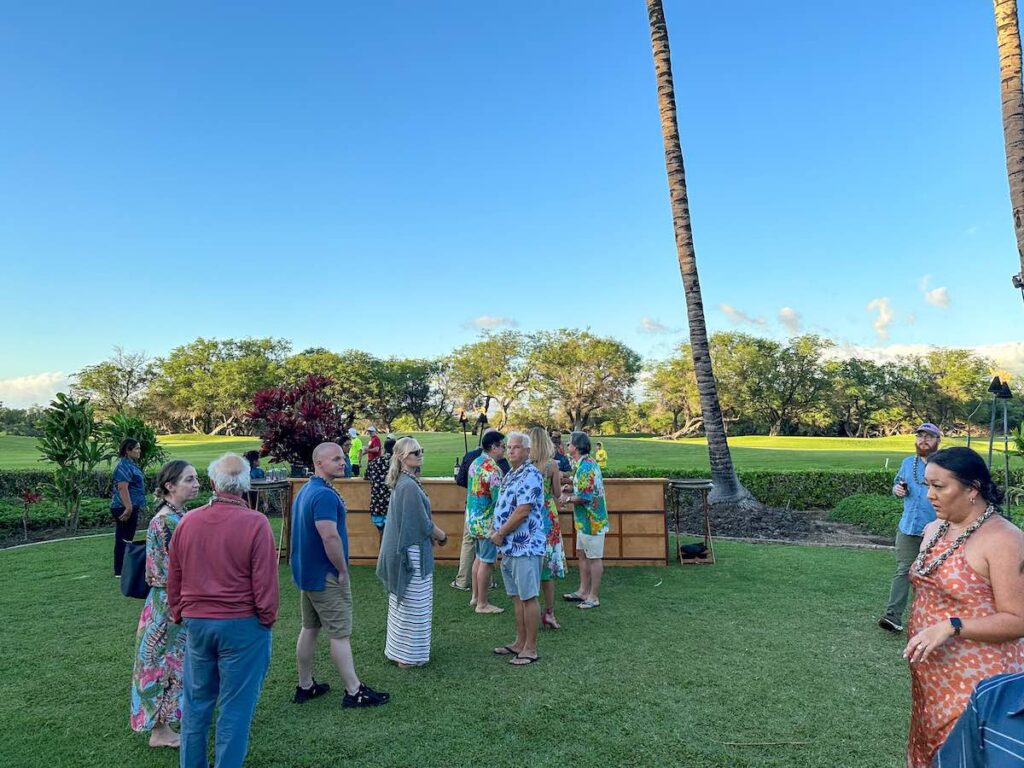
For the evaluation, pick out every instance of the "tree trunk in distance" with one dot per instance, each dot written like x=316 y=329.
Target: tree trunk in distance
x=1008 y=39
x=727 y=488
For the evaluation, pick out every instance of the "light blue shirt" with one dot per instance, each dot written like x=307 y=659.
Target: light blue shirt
x=917 y=510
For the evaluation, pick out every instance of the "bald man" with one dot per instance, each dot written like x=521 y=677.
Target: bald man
x=320 y=571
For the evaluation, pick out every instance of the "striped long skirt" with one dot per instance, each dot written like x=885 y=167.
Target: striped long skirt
x=409 y=618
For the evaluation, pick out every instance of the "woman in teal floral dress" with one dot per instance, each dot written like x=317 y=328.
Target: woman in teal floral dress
x=542 y=454
x=160 y=645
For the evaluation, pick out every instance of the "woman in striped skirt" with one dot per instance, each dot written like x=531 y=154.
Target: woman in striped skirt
x=406 y=561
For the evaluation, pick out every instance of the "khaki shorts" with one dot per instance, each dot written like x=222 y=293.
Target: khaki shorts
x=330 y=608
x=592 y=545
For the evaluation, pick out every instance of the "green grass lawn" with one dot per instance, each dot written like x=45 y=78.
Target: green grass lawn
x=690 y=666
x=442 y=449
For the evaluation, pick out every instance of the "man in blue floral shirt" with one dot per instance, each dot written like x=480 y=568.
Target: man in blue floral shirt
x=519 y=536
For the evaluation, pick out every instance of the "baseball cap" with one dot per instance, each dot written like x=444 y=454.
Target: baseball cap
x=353 y=432
x=930 y=429
x=371 y=429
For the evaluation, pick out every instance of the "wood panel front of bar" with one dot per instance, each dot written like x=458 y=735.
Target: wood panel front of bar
x=636 y=514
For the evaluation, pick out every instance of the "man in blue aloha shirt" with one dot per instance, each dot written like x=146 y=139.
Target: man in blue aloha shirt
x=519 y=536
x=917 y=513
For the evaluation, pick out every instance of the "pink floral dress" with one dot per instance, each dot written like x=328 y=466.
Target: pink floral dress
x=160 y=645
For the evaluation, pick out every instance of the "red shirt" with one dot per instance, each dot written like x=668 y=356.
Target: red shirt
x=374 y=449
x=223 y=565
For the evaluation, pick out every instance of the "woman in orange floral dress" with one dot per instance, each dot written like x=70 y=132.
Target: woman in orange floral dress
x=968 y=614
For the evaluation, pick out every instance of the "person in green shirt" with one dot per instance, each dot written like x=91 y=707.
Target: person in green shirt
x=601 y=457
x=355 y=452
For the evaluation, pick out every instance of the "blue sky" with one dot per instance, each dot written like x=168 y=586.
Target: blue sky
x=392 y=175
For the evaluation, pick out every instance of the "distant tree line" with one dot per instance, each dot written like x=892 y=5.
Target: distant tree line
x=567 y=378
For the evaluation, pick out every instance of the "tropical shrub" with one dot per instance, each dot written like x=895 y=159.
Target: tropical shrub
x=72 y=441
x=875 y=513
x=297 y=419
x=121 y=426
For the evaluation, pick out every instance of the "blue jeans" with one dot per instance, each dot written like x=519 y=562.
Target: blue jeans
x=225 y=663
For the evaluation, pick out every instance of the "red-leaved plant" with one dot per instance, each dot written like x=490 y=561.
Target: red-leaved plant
x=297 y=419
x=28 y=498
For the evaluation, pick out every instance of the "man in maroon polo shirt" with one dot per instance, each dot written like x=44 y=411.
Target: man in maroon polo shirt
x=222 y=582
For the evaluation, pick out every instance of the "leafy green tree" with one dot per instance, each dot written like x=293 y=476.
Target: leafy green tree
x=776 y=384
x=27 y=422
x=672 y=386
x=116 y=385
x=72 y=441
x=583 y=373
x=121 y=426
x=208 y=384
x=354 y=378
x=858 y=397
x=495 y=368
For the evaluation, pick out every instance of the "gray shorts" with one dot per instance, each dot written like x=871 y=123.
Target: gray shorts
x=522 y=576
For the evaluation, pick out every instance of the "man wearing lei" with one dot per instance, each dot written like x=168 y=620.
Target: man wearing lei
x=917 y=513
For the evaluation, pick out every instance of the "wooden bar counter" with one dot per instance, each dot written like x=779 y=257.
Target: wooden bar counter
x=636 y=513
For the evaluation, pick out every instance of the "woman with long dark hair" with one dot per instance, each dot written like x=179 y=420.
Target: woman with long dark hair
x=967 y=619
x=160 y=644
x=128 y=499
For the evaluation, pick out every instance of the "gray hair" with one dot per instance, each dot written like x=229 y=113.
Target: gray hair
x=524 y=439
x=581 y=440
x=229 y=474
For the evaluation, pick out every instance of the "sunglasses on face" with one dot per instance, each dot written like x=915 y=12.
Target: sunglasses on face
x=416 y=453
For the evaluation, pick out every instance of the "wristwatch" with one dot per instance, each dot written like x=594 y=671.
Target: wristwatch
x=957 y=625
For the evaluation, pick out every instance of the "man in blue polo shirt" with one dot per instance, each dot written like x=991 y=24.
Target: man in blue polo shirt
x=320 y=571
x=990 y=732
x=917 y=513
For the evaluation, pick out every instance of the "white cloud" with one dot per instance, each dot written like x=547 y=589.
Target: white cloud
x=1008 y=355
x=884 y=319
x=650 y=325
x=37 y=389
x=938 y=297
x=738 y=317
x=489 y=322
x=790 y=318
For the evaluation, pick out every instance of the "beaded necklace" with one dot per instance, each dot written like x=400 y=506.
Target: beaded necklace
x=919 y=481
x=919 y=566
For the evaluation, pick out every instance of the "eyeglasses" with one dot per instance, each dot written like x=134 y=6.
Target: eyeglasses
x=416 y=453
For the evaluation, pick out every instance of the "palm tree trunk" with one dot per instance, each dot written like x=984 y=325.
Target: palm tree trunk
x=1008 y=38
x=727 y=487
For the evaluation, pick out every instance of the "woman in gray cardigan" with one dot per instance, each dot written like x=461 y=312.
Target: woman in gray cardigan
x=406 y=561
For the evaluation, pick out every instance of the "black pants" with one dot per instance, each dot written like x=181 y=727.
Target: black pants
x=124 y=531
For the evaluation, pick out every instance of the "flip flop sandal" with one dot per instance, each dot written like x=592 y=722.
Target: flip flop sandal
x=506 y=650
x=523 y=661
x=573 y=597
x=588 y=604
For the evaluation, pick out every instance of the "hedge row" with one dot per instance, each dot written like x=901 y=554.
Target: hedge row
x=15 y=481
x=47 y=515
x=812 y=489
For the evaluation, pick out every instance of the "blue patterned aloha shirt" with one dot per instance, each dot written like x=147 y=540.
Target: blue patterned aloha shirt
x=524 y=485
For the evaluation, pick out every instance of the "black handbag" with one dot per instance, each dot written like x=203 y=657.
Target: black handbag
x=133 y=570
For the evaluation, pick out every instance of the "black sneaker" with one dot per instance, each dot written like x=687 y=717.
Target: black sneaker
x=889 y=625
x=305 y=694
x=365 y=697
